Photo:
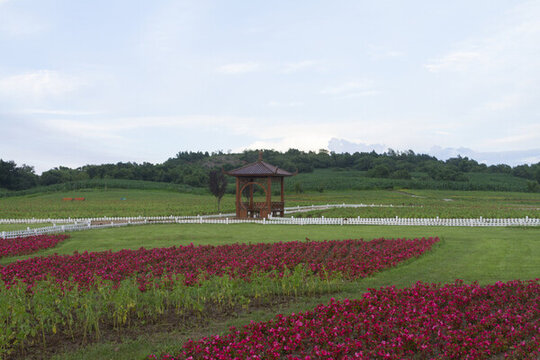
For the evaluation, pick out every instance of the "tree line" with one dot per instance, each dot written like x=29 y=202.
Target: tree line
x=192 y=168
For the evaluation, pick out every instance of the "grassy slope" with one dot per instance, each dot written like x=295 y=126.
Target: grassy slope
x=429 y=203
x=337 y=179
x=486 y=255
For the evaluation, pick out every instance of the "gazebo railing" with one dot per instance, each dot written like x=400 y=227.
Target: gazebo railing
x=259 y=205
x=278 y=205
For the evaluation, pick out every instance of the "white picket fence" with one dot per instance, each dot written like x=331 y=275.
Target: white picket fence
x=56 y=229
x=108 y=222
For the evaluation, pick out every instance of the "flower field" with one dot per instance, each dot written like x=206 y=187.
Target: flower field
x=424 y=321
x=80 y=296
x=351 y=258
x=28 y=245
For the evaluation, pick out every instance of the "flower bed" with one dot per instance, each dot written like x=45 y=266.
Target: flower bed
x=28 y=245
x=79 y=295
x=351 y=258
x=425 y=321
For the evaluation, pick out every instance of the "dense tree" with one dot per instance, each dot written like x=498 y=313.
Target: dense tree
x=13 y=177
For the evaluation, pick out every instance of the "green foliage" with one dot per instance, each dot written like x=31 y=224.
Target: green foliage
x=34 y=316
x=533 y=186
x=400 y=174
x=13 y=177
x=379 y=171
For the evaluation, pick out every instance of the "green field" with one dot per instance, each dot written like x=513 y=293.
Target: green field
x=99 y=202
x=442 y=203
x=419 y=203
x=485 y=255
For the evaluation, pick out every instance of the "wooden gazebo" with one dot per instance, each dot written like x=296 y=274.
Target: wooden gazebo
x=258 y=175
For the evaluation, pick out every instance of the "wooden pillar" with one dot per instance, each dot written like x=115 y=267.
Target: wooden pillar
x=282 y=192
x=269 y=195
x=251 y=196
x=238 y=197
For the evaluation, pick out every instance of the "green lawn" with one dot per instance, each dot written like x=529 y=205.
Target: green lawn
x=485 y=255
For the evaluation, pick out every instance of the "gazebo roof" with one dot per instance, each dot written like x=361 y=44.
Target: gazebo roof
x=259 y=168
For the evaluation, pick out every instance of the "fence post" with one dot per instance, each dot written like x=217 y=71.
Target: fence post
x=3 y=234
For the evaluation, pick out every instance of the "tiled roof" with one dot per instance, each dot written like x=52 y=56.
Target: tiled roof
x=259 y=168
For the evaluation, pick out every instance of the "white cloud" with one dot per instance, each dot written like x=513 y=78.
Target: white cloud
x=363 y=93
x=352 y=89
x=15 y=23
x=59 y=112
x=517 y=141
x=279 y=136
x=289 y=104
x=378 y=52
x=38 y=84
x=455 y=61
x=300 y=66
x=505 y=102
x=511 y=45
x=347 y=87
x=238 y=68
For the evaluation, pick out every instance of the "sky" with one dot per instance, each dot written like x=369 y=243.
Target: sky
x=91 y=82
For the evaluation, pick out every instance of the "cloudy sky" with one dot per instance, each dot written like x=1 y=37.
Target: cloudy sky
x=105 y=81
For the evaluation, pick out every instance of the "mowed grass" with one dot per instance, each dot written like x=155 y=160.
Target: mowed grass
x=418 y=203
x=486 y=255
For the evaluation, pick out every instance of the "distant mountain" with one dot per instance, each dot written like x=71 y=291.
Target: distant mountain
x=512 y=158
